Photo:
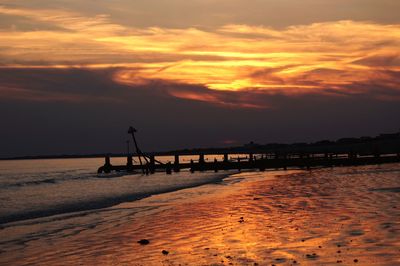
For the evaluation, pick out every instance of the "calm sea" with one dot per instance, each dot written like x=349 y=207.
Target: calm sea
x=39 y=188
x=60 y=212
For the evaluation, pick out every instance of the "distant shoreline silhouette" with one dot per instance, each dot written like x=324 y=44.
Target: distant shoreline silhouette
x=383 y=143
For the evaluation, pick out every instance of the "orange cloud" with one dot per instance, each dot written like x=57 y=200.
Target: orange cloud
x=317 y=58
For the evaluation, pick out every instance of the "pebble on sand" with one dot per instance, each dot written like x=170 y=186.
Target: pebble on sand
x=144 y=242
x=165 y=252
x=311 y=256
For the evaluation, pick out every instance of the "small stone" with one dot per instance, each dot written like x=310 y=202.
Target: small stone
x=338 y=251
x=144 y=242
x=355 y=260
x=165 y=252
x=311 y=256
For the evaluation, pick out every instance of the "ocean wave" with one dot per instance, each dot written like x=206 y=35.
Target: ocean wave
x=100 y=193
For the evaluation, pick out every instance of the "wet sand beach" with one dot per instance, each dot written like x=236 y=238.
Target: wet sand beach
x=335 y=216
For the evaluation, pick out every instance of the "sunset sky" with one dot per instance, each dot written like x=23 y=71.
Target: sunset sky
x=194 y=73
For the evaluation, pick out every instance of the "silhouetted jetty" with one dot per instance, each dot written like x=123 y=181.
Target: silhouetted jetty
x=260 y=161
x=345 y=152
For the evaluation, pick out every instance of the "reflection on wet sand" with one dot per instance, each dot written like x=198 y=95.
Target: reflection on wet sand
x=347 y=216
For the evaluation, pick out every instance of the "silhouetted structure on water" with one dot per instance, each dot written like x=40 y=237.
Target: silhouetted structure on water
x=384 y=148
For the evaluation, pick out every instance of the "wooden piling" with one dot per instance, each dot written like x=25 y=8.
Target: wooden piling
x=168 y=168
x=152 y=164
x=107 y=164
x=201 y=162
x=191 y=166
x=215 y=165
x=176 y=163
x=279 y=161
x=251 y=158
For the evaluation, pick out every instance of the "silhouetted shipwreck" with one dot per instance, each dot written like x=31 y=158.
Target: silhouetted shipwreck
x=345 y=152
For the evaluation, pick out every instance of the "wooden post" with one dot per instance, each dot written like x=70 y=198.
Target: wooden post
x=201 y=159
x=129 y=163
x=152 y=164
x=191 y=166
x=107 y=164
x=201 y=162
x=176 y=163
x=251 y=157
x=168 y=169
x=107 y=161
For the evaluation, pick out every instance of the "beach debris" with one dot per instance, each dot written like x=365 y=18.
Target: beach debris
x=339 y=261
x=355 y=260
x=165 y=252
x=241 y=220
x=144 y=242
x=256 y=198
x=311 y=256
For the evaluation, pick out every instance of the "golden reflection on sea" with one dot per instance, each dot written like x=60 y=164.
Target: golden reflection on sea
x=342 y=216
